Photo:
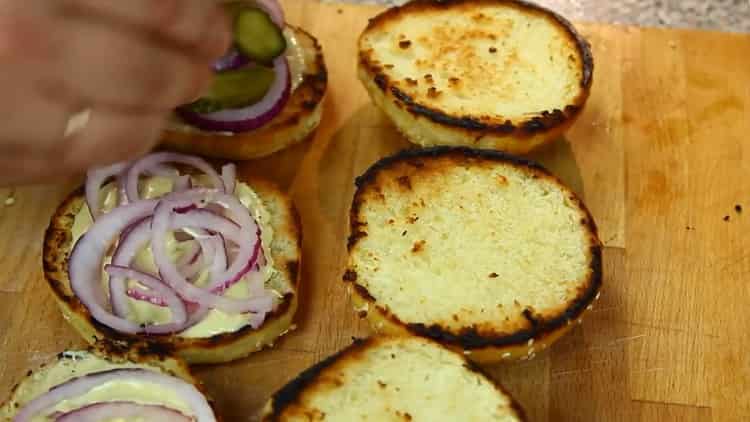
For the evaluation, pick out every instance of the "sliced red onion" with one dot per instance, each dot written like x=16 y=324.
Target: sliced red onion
x=139 y=235
x=219 y=284
x=149 y=296
x=246 y=255
x=164 y=218
x=98 y=412
x=215 y=248
x=201 y=410
x=229 y=177
x=193 y=270
x=197 y=315
x=250 y=117
x=274 y=10
x=257 y=290
x=165 y=294
x=122 y=189
x=191 y=262
x=87 y=257
x=163 y=170
x=95 y=178
x=190 y=255
x=230 y=61
x=131 y=241
x=148 y=163
x=182 y=183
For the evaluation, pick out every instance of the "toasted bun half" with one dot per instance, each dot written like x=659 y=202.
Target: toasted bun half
x=287 y=253
x=77 y=363
x=484 y=252
x=498 y=74
x=393 y=379
x=299 y=118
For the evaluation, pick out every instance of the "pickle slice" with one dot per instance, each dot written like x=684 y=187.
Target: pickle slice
x=235 y=89
x=257 y=36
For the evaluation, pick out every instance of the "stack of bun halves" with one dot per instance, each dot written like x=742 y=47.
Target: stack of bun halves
x=458 y=253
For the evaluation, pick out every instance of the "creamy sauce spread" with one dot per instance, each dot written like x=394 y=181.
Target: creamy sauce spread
x=82 y=363
x=295 y=56
x=216 y=322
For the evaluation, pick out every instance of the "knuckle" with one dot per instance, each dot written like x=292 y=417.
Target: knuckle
x=148 y=75
x=178 y=82
x=10 y=34
x=189 y=21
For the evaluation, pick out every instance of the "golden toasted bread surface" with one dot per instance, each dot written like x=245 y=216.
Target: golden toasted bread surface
x=474 y=248
x=76 y=363
x=393 y=379
x=503 y=74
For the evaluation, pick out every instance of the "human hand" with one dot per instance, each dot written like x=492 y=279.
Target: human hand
x=130 y=62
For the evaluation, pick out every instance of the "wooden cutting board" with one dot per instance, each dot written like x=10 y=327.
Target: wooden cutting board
x=661 y=156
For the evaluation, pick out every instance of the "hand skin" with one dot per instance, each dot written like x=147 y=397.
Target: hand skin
x=130 y=62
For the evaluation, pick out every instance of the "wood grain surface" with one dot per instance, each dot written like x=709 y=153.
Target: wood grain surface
x=661 y=156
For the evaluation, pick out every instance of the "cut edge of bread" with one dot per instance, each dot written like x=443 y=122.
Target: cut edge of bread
x=319 y=379
x=113 y=352
x=482 y=347
x=427 y=125
x=297 y=121
x=219 y=348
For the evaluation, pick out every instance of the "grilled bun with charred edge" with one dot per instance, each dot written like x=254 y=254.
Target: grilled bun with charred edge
x=484 y=252
x=298 y=119
x=497 y=74
x=286 y=250
x=393 y=379
x=104 y=356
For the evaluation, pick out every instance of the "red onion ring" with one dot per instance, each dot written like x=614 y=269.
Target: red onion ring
x=148 y=163
x=229 y=177
x=197 y=315
x=251 y=117
x=164 y=217
x=165 y=295
x=163 y=170
x=219 y=285
x=238 y=216
x=131 y=241
x=211 y=220
x=95 y=178
x=85 y=265
x=274 y=10
x=122 y=189
x=214 y=247
x=191 y=255
x=79 y=386
x=230 y=61
x=182 y=183
x=126 y=410
x=146 y=296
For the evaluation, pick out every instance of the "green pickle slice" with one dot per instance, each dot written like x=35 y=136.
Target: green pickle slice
x=235 y=89
x=256 y=35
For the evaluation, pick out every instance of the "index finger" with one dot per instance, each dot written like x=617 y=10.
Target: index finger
x=198 y=23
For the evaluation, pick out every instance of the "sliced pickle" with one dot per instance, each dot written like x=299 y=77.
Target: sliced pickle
x=256 y=35
x=235 y=89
